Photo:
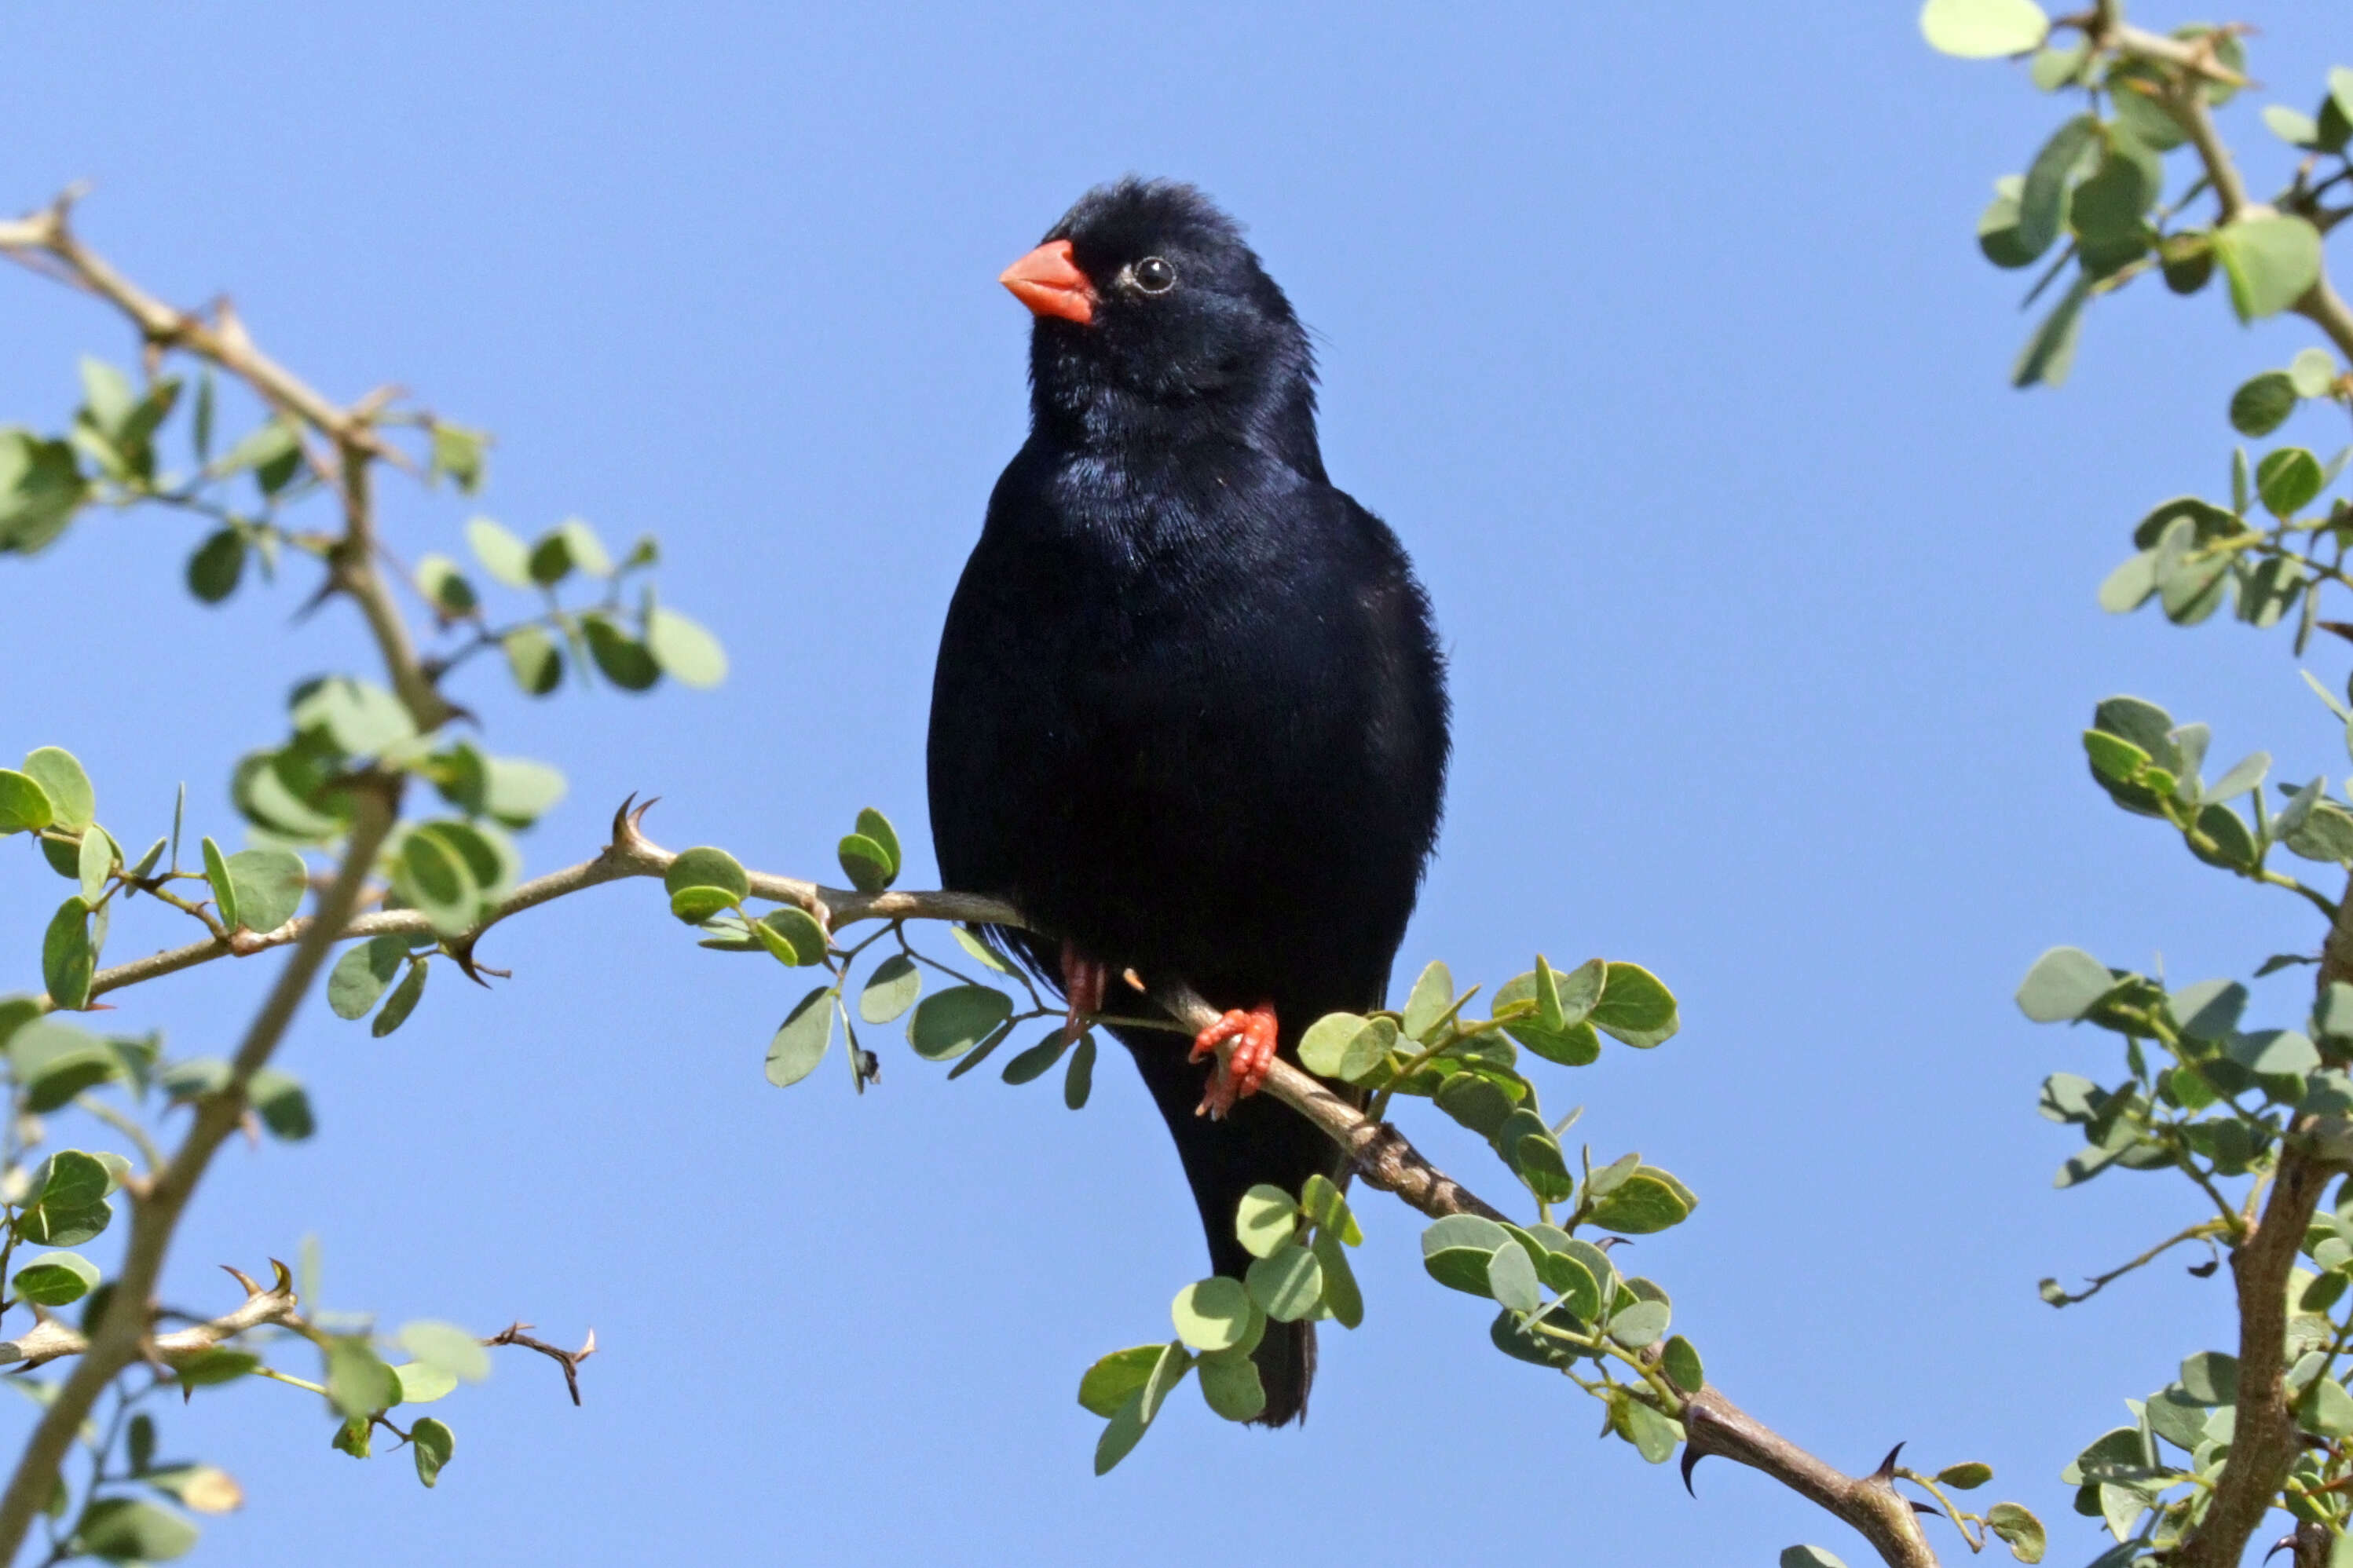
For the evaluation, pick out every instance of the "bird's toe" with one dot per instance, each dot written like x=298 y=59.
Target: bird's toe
x=1244 y=1069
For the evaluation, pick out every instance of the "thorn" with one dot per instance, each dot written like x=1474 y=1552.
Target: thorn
x=1926 y=1509
x=587 y=1347
x=2285 y=1543
x=1886 y=1471
x=2343 y=630
x=242 y=1277
x=1692 y=1456
x=281 y=1280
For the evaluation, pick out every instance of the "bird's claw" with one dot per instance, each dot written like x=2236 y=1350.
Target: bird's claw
x=1083 y=981
x=1245 y=1066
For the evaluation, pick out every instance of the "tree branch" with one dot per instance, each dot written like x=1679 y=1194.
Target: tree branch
x=44 y=242
x=2264 y=1446
x=155 y=1213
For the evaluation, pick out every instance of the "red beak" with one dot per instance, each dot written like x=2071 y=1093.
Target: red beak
x=1050 y=284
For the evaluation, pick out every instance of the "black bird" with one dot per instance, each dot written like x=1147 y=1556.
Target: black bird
x=1189 y=714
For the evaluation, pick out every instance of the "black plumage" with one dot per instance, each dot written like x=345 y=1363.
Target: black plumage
x=1189 y=714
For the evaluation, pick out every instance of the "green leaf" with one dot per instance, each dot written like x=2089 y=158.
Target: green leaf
x=358 y=1381
x=1433 y=994
x=354 y=1436
x=583 y=548
x=2043 y=197
x=422 y=1384
x=1654 y=1436
x=2019 y=1528
x=68 y=958
x=447 y=1347
x=550 y=560
x=704 y=867
x=801 y=1040
x=358 y=717
x=2325 y=1409
x=2050 y=350
x=536 y=663
x=890 y=989
x=224 y=889
x=1475 y=1100
x=687 y=654
x=2064 y=985
x=1266 y=1220
x=1345 y=1046
x=1983 y=29
x=1117 y=1377
x=874 y=826
x=1126 y=1430
x=1810 y=1557
x=1998 y=233
x=1512 y=1280
x=517 y=793
x=2286 y=479
x=865 y=863
x=1287 y=1284
x=433 y=1444
x=1212 y=1314
x=980 y=950
x=1230 y=1386
x=1343 y=1297
x=56 y=1061
x=1647 y=1201
x=1078 y=1078
x=1635 y=1008
x=949 y=1023
x=94 y=863
x=2211 y=1378
x=2271 y=259
x=24 y=804
x=444 y=584
x=697 y=905
x=72 y=802
x=269 y=886
x=1320 y=1201
x=55 y=1278
x=283 y=1104
x=402 y=1000
x=2313 y=372
x=1681 y=1363
x=361 y=974
x=2292 y=126
x=217 y=564
x=41 y=487
x=433 y=875
x=620 y=657
x=502 y=555
x=2263 y=405
x=1455 y=1250
x=127 y=1530
x=794 y=931
x=1032 y=1064
x=1642 y=1324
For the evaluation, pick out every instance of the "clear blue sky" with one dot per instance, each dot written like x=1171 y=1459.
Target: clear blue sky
x=1660 y=336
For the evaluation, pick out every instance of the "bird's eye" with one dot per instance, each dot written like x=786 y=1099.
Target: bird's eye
x=1154 y=276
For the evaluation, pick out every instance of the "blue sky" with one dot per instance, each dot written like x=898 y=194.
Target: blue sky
x=1659 y=335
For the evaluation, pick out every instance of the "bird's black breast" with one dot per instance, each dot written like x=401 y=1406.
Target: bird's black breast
x=1189 y=712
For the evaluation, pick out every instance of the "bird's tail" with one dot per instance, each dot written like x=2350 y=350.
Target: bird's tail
x=1261 y=1140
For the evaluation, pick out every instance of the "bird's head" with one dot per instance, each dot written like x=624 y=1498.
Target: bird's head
x=1151 y=310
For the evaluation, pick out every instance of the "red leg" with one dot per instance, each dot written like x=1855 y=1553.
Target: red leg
x=1245 y=1066
x=1083 y=979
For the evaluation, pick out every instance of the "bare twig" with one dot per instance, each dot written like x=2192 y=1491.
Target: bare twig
x=517 y=1334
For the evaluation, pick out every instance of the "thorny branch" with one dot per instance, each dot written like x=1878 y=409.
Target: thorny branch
x=45 y=242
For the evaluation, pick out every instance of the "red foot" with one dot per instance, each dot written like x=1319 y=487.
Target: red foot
x=1083 y=979
x=1245 y=1066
